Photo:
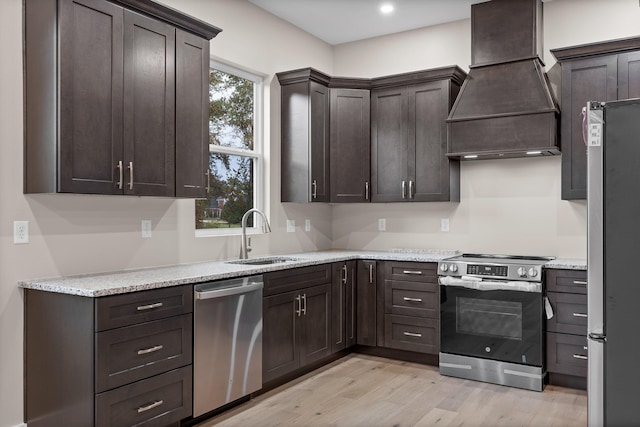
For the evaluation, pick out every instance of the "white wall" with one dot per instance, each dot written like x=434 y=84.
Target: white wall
x=86 y=234
x=506 y=206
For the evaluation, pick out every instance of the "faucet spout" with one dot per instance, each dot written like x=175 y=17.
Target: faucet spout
x=266 y=228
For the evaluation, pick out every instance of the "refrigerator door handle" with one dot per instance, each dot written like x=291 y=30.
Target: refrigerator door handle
x=601 y=338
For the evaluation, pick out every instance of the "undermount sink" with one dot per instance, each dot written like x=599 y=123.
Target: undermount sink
x=263 y=261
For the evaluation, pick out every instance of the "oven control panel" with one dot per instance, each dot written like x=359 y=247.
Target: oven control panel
x=488 y=270
x=507 y=271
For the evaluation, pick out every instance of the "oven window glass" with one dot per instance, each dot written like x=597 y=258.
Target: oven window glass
x=486 y=317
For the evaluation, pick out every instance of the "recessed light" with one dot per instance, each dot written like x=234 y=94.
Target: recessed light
x=386 y=8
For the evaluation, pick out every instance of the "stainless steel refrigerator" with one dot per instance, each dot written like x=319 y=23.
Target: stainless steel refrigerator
x=612 y=133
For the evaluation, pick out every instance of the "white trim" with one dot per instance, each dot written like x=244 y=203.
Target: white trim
x=257 y=154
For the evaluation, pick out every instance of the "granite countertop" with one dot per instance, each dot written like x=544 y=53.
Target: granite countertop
x=98 y=285
x=567 y=264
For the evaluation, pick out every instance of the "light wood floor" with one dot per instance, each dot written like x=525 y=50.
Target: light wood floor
x=367 y=391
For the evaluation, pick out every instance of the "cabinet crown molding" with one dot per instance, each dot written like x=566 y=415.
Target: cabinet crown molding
x=593 y=49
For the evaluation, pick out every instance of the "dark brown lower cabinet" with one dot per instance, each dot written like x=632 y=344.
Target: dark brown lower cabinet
x=343 y=305
x=297 y=329
x=411 y=306
x=118 y=360
x=366 y=296
x=567 y=329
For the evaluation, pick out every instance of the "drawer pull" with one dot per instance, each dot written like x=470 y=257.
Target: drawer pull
x=579 y=356
x=416 y=272
x=150 y=306
x=150 y=406
x=412 y=334
x=579 y=282
x=579 y=315
x=412 y=299
x=150 y=350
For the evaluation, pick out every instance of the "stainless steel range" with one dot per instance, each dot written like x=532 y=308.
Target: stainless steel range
x=491 y=319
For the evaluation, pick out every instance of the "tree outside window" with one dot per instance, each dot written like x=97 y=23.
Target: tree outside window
x=233 y=157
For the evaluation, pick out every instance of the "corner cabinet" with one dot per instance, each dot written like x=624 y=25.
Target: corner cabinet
x=305 y=136
x=409 y=137
x=120 y=106
x=350 y=140
x=605 y=71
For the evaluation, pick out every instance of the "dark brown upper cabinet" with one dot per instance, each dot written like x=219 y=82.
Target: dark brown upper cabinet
x=102 y=85
x=305 y=136
x=605 y=71
x=350 y=145
x=409 y=137
x=380 y=140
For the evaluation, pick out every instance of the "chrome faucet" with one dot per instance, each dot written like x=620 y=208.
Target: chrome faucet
x=266 y=228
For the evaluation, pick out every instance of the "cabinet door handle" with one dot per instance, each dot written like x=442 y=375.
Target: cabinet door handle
x=152 y=405
x=344 y=274
x=120 y=175
x=404 y=189
x=304 y=304
x=579 y=356
x=371 y=273
x=314 y=189
x=366 y=190
x=130 y=175
x=150 y=350
x=411 y=334
x=150 y=306
x=415 y=272
x=412 y=299
x=299 y=309
x=579 y=315
x=410 y=189
x=579 y=282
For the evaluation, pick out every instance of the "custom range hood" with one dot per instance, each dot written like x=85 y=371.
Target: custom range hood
x=505 y=107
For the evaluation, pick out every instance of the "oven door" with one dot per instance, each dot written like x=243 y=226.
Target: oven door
x=496 y=324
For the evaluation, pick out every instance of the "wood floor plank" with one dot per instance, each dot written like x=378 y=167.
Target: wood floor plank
x=362 y=390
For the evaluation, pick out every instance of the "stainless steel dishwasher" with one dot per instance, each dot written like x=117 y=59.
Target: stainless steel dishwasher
x=227 y=341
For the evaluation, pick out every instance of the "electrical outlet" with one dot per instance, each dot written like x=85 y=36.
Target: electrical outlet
x=20 y=232
x=307 y=225
x=146 y=228
x=291 y=226
x=444 y=225
x=382 y=224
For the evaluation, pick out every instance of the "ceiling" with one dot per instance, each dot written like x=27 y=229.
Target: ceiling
x=341 y=21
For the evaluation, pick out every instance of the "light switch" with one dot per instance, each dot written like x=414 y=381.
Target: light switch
x=382 y=224
x=444 y=225
x=307 y=225
x=291 y=226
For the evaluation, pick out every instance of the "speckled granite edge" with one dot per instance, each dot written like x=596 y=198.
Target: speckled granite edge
x=567 y=264
x=98 y=285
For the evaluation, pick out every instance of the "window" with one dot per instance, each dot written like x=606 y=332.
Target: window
x=235 y=151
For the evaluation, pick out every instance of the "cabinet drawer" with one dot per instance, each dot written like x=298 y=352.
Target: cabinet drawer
x=569 y=313
x=571 y=281
x=567 y=354
x=297 y=278
x=137 y=307
x=412 y=298
x=412 y=333
x=411 y=271
x=157 y=401
x=133 y=353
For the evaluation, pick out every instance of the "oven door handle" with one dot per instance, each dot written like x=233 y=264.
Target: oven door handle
x=491 y=285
